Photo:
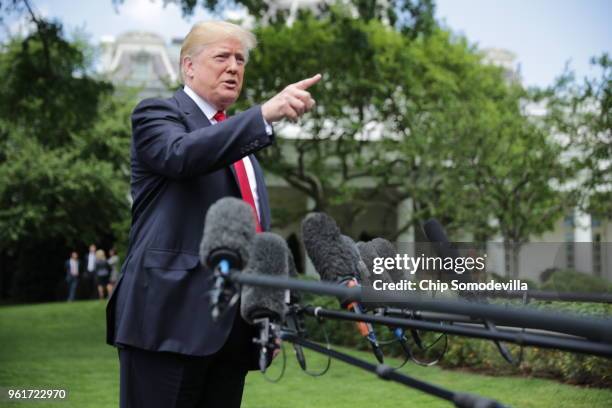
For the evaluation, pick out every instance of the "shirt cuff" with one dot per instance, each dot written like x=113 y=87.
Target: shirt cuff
x=268 y=126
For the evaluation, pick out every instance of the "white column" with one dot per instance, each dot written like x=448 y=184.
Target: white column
x=606 y=266
x=583 y=238
x=405 y=241
x=496 y=261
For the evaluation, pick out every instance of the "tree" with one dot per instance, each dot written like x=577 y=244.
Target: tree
x=412 y=17
x=518 y=178
x=406 y=110
x=64 y=143
x=581 y=110
x=327 y=158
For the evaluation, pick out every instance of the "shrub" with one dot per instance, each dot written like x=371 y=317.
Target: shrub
x=571 y=281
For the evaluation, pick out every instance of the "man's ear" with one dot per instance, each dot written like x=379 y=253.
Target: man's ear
x=187 y=67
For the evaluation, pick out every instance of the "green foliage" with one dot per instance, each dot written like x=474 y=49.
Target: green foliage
x=572 y=281
x=64 y=170
x=401 y=117
x=44 y=74
x=412 y=17
x=324 y=163
x=582 y=111
x=54 y=194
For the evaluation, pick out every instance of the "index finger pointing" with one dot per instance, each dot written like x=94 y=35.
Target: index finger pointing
x=308 y=82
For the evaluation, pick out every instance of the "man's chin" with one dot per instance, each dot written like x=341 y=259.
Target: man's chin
x=225 y=101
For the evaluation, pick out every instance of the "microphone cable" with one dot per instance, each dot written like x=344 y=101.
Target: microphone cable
x=403 y=344
x=282 y=371
x=324 y=371
x=439 y=357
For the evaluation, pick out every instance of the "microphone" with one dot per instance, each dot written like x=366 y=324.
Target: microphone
x=381 y=248
x=229 y=228
x=367 y=254
x=385 y=249
x=261 y=306
x=443 y=248
x=435 y=233
x=336 y=259
x=332 y=259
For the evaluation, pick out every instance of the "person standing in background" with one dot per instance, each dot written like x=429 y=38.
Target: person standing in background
x=113 y=261
x=102 y=269
x=72 y=275
x=91 y=271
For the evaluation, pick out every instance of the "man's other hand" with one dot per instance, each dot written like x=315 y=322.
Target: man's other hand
x=291 y=103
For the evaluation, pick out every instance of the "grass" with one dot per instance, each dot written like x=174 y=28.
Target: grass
x=61 y=345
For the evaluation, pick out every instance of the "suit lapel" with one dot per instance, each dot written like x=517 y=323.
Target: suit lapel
x=196 y=118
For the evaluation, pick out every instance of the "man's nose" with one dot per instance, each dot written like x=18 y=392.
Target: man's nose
x=232 y=65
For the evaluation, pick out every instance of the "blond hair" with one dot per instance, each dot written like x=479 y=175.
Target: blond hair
x=100 y=255
x=208 y=32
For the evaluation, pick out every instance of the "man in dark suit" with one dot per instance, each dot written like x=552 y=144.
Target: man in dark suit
x=186 y=155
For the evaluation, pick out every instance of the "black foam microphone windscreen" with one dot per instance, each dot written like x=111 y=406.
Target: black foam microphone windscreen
x=332 y=258
x=444 y=249
x=436 y=235
x=385 y=249
x=228 y=231
x=293 y=273
x=368 y=254
x=360 y=270
x=268 y=256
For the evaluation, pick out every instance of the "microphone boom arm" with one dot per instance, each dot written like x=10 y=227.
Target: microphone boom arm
x=462 y=400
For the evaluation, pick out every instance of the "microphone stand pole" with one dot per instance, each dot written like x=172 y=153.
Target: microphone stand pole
x=462 y=400
x=580 y=326
x=525 y=339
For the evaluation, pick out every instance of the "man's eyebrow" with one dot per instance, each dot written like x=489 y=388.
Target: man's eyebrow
x=228 y=52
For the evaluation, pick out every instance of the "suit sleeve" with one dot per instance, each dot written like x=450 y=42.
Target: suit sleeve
x=161 y=140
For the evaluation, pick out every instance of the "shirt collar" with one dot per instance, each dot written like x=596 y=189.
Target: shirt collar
x=206 y=108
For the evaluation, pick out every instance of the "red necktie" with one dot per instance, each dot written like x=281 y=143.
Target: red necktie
x=243 y=179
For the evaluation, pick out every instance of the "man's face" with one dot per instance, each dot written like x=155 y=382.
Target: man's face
x=92 y=248
x=216 y=73
x=74 y=255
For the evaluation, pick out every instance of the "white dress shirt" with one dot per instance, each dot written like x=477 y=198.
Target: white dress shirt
x=91 y=261
x=74 y=267
x=209 y=111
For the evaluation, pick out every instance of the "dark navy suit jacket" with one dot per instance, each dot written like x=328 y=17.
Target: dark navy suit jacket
x=180 y=166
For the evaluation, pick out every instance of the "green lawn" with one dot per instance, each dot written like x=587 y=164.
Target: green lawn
x=62 y=346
